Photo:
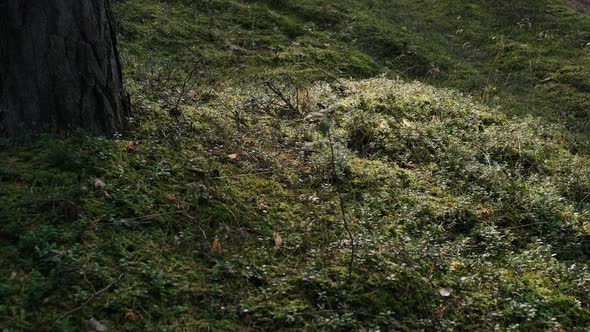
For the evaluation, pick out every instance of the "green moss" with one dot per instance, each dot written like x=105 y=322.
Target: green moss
x=441 y=191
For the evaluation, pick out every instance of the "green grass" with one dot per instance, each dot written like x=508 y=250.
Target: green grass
x=447 y=187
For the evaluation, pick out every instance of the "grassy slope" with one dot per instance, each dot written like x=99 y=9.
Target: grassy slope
x=442 y=193
x=530 y=59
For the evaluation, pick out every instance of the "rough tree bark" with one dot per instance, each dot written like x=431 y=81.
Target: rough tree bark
x=59 y=68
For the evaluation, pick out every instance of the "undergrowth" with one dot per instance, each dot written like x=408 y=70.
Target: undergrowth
x=219 y=208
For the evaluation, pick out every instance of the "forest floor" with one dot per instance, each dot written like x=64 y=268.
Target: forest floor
x=334 y=166
x=581 y=5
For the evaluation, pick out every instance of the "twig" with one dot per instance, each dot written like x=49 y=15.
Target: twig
x=151 y=216
x=183 y=89
x=331 y=76
x=342 y=209
x=198 y=224
x=282 y=97
x=579 y=205
x=90 y=298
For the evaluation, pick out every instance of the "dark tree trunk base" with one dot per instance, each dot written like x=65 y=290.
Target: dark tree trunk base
x=59 y=68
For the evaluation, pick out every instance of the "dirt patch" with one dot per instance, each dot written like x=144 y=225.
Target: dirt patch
x=581 y=5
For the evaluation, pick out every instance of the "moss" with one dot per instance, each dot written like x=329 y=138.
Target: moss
x=442 y=191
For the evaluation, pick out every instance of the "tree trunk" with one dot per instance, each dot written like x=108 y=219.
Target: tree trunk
x=59 y=68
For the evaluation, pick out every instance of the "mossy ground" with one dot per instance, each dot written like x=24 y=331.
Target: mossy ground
x=465 y=215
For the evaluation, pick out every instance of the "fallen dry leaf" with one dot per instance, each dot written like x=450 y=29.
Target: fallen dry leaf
x=232 y=156
x=99 y=184
x=131 y=315
x=313 y=198
x=440 y=311
x=445 y=292
x=216 y=247
x=407 y=123
x=485 y=212
x=278 y=240
x=171 y=197
x=129 y=145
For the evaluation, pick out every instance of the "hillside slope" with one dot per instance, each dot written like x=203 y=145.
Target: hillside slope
x=528 y=58
x=284 y=171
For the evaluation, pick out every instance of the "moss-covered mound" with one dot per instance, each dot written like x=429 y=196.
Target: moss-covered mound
x=230 y=217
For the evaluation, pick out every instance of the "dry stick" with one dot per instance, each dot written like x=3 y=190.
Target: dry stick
x=296 y=91
x=331 y=76
x=342 y=209
x=183 y=88
x=151 y=216
x=579 y=205
x=91 y=298
x=282 y=97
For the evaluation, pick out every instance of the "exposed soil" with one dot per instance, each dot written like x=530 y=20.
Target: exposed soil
x=581 y=5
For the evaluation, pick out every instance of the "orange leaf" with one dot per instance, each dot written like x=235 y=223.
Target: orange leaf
x=440 y=311
x=485 y=212
x=216 y=247
x=129 y=145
